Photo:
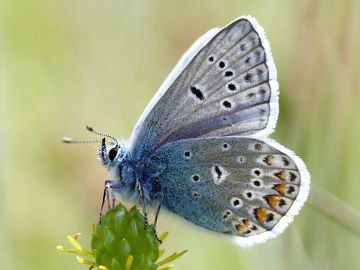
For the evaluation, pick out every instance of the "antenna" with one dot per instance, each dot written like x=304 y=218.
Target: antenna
x=89 y=128
x=70 y=140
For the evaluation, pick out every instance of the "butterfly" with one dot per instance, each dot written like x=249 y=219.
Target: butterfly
x=201 y=148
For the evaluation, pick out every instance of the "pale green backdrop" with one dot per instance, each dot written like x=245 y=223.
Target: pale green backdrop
x=68 y=63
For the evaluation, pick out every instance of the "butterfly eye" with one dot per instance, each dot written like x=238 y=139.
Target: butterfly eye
x=113 y=152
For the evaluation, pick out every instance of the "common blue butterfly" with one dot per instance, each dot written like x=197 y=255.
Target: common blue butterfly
x=201 y=148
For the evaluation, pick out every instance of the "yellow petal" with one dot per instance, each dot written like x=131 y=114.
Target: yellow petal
x=129 y=262
x=88 y=262
x=171 y=258
x=163 y=236
x=167 y=267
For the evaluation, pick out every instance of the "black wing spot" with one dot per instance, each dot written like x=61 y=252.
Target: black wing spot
x=291 y=190
x=196 y=177
x=282 y=202
x=228 y=73
x=242 y=47
x=251 y=95
x=211 y=59
x=259 y=71
x=218 y=172
x=197 y=92
x=227 y=104
x=236 y=202
x=257 y=172
x=221 y=64
x=249 y=194
x=231 y=86
x=292 y=176
x=269 y=217
x=258 y=147
x=187 y=154
x=247 y=61
x=257 y=183
x=285 y=161
x=262 y=91
x=248 y=77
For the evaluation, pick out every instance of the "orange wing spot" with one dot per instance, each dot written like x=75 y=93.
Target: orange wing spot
x=240 y=228
x=246 y=222
x=281 y=188
x=281 y=175
x=272 y=200
x=260 y=214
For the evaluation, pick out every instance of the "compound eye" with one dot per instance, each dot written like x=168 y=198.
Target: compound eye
x=113 y=152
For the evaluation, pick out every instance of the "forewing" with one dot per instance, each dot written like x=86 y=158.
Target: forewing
x=228 y=88
x=239 y=186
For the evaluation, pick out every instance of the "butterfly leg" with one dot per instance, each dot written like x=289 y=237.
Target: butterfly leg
x=142 y=201
x=106 y=197
x=156 y=219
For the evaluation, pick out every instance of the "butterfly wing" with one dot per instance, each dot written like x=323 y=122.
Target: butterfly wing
x=224 y=85
x=240 y=186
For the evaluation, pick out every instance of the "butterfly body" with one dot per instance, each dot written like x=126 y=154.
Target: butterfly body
x=201 y=150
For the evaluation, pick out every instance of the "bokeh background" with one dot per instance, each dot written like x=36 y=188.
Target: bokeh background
x=68 y=63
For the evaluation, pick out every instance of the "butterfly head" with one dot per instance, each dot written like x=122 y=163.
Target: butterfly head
x=110 y=155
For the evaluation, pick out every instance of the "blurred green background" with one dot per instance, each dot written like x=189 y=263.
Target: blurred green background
x=68 y=63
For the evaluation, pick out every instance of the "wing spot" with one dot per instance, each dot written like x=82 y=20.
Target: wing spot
x=240 y=228
x=259 y=71
x=248 y=77
x=285 y=161
x=254 y=227
x=245 y=221
x=262 y=91
x=231 y=86
x=257 y=183
x=269 y=217
x=197 y=92
x=260 y=214
x=290 y=190
x=227 y=214
x=227 y=104
x=240 y=159
x=258 y=147
x=257 y=172
x=251 y=95
x=228 y=73
x=282 y=202
x=249 y=194
x=281 y=175
x=272 y=200
x=280 y=188
x=187 y=154
x=219 y=174
x=242 y=47
x=196 y=194
x=211 y=59
x=221 y=64
x=292 y=176
x=236 y=202
x=247 y=61
x=225 y=146
x=262 y=111
x=269 y=160
x=195 y=177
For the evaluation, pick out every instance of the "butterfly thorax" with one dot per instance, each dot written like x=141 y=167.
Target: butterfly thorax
x=127 y=175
